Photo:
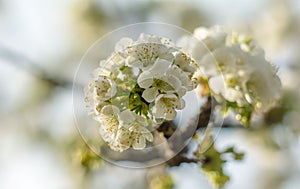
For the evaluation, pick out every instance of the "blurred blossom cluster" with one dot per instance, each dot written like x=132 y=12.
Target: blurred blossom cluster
x=251 y=82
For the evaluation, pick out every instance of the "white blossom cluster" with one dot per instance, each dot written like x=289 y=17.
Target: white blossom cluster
x=142 y=83
x=123 y=129
x=250 y=80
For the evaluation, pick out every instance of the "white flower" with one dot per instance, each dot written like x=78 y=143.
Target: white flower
x=213 y=37
x=263 y=85
x=121 y=130
x=203 y=42
x=110 y=66
x=141 y=83
x=111 y=130
x=122 y=140
x=144 y=52
x=249 y=78
x=160 y=79
x=185 y=78
x=185 y=63
x=165 y=105
x=98 y=91
x=165 y=84
x=136 y=125
x=192 y=47
x=109 y=122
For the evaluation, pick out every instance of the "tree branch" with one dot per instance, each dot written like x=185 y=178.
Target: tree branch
x=24 y=63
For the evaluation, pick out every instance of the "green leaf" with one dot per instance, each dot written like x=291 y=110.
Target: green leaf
x=161 y=181
x=213 y=161
x=244 y=113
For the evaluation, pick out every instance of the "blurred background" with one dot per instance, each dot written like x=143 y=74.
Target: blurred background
x=41 y=44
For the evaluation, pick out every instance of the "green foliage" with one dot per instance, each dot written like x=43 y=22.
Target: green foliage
x=89 y=160
x=161 y=181
x=213 y=161
x=244 y=113
x=82 y=155
x=236 y=155
x=137 y=103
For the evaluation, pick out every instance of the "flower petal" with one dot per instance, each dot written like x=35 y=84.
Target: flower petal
x=170 y=113
x=179 y=104
x=145 y=80
x=160 y=67
x=150 y=94
x=133 y=62
x=110 y=110
x=123 y=44
x=139 y=143
x=147 y=134
x=217 y=84
x=158 y=109
x=173 y=81
x=127 y=116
